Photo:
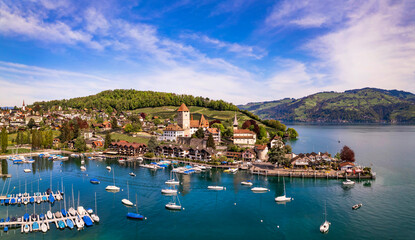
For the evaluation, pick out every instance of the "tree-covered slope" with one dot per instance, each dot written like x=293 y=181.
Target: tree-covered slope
x=352 y=106
x=123 y=99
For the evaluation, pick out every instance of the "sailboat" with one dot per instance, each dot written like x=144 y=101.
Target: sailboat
x=95 y=215
x=247 y=183
x=324 y=228
x=173 y=205
x=172 y=181
x=112 y=188
x=135 y=215
x=259 y=189
x=127 y=201
x=348 y=182
x=283 y=198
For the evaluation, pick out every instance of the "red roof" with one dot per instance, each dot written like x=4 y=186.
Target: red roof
x=260 y=147
x=183 y=108
x=345 y=164
x=243 y=131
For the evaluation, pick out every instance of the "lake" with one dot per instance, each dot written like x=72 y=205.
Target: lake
x=388 y=211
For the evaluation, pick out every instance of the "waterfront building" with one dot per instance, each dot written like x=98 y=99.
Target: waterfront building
x=243 y=137
x=171 y=133
x=127 y=148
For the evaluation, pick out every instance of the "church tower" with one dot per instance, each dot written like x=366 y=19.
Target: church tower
x=183 y=119
x=235 y=123
x=24 y=107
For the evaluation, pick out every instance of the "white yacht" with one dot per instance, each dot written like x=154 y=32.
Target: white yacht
x=259 y=189
x=216 y=188
x=283 y=198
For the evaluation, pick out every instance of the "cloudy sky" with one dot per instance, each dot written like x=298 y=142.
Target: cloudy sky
x=235 y=50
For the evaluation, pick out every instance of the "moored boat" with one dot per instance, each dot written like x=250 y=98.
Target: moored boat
x=357 y=206
x=216 y=188
x=259 y=189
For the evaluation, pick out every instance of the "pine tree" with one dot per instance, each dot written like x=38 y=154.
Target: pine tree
x=107 y=140
x=4 y=140
x=211 y=142
x=152 y=144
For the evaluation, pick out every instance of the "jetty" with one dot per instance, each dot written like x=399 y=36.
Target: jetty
x=76 y=216
x=25 y=198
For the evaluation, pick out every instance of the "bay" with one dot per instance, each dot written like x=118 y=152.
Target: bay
x=236 y=213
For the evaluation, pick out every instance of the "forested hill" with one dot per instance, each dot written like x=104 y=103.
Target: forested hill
x=367 y=105
x=122 y=99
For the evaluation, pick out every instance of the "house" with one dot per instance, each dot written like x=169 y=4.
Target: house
x=346 y=165
x=262 y=152
x=97 y=144
x=276 y=142
x=243 y=137
x=171 y=133
x=234 y=155
x=196 y=124
x=127 y=148
x=299 y=161
x=215 y=134
x=248 y=155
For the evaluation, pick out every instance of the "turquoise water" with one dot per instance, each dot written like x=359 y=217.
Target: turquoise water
x=387 y=213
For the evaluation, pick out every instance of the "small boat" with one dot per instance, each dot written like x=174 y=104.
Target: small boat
x=79 y=223
x=112 y=188
x=324 y=228
x=127 y=201
x=94 y=181
x=26 y=228
x=283 y=198
x=357 y=206
x=58 y=214
x=61 y=224
x=26 y=217
x=247 y=183
x=87 y=220
x=72 y=211
x=216 y=188
x=69 y=223
x=64 y=213
x=108 y=168
x=89 y=210
x=51 y=198
x=259 y=189
x=231 y=170
x=44 y=227
x=38 y=200
x=83 y=168
x=49 y=214
x=95 y=215
x=27 y=170
x=348 y=182
x=172 y=182
x=173 y=205
x=169 y=191
x=41 y=216
x=135 y=216
x=35 y=226
x=5 y=229
x=132 y=174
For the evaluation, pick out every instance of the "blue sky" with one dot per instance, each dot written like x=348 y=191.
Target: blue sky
x=239 y=51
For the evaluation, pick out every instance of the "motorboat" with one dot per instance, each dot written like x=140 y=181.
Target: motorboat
x=108 y=168
x=231 y=170
x=247 y=183
x=169 y=191
x=216 y=188
x=348 y=182
x=132 y=174
x=94 y=181
x=83 y=168
x=259 y=189
x=357 y=206
x=27 y=170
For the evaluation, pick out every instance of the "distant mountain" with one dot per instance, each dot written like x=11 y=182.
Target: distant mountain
x=366 y=105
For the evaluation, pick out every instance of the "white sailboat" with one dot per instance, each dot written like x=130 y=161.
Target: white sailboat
x=172 y=180
x=247 y=183
x=324 y=228
x=112 y=188
x=169 y=191
x=283 y=198
x=173 y=204
x=127 y=201
x=95 y=215
x=218 y=188
x=259 y=189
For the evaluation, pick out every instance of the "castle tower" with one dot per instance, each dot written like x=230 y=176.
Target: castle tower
x=183 y=119
x=235 y=123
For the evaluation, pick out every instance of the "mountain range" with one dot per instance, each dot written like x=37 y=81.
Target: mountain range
x=366 y=105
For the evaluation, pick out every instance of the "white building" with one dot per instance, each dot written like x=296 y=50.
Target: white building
x=171 y=132
x=243 y=137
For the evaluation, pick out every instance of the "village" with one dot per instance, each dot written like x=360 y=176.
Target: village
x=183 y=138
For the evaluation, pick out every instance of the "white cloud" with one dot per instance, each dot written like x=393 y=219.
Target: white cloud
x=241 y=50
x=376 y=48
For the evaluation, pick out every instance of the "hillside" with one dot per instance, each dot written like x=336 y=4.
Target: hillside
x=367 y=105
x=130 y=99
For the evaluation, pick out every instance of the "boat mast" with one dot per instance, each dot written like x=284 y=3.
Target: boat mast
x=96 y=204
x=128 y=191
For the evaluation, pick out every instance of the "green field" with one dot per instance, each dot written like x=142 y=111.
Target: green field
x=125 y=137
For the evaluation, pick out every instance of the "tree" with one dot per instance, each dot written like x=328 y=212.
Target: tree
x=80 y=144
x=262 y=132
x=128 y=128
x=107 y=140
x=292 y=133
x=114 y=123
x=4 y=140
x=199 y=133
x=347 y=154
x=31 y=123
x=277 y=155
x=218 y=126
x=211 y=142
x=152 y=144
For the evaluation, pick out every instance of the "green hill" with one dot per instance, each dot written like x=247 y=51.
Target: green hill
x=367 y=105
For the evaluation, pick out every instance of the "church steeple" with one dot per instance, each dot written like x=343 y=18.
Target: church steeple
x=24 y=107
x=235 y=123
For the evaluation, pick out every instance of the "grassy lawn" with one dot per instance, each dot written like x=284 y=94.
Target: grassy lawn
x=125 y=137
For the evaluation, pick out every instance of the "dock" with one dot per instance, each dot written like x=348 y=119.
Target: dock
x=44 y=197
